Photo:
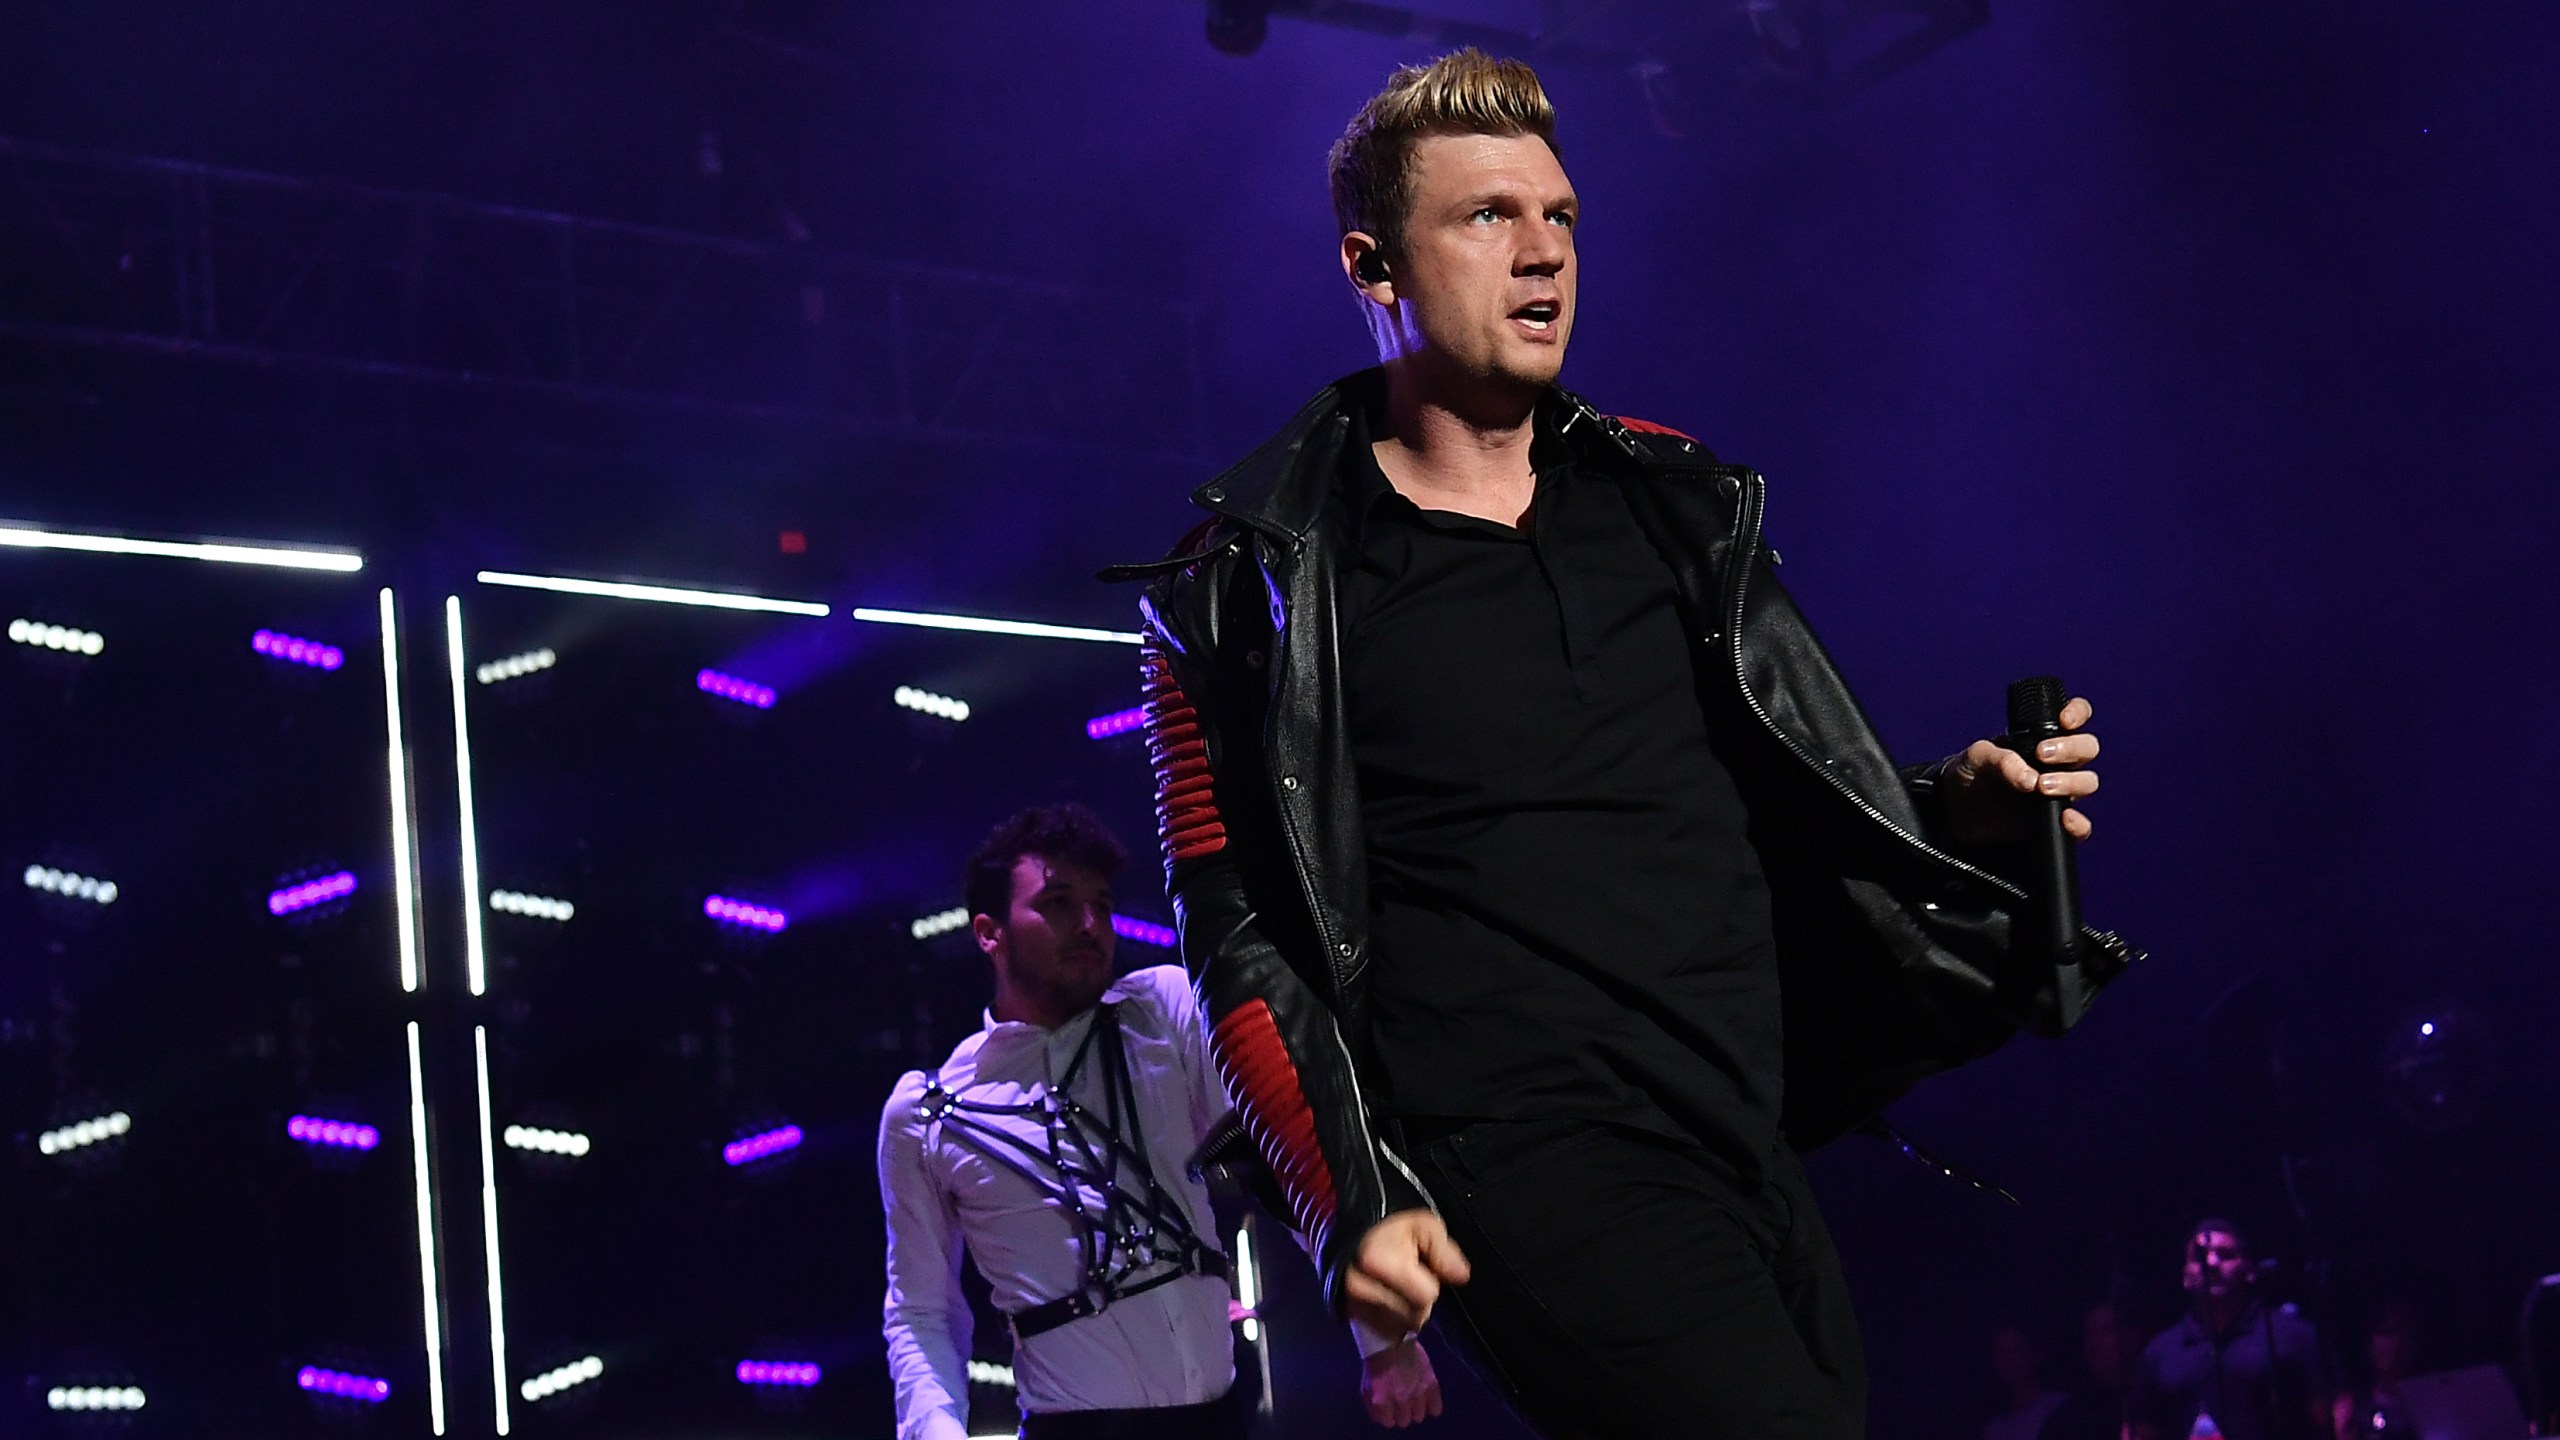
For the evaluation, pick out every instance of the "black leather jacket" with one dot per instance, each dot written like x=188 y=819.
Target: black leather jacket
x=1893 y=952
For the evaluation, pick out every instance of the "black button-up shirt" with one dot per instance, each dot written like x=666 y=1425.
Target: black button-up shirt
x=1567 y=914
x=2187 y=1371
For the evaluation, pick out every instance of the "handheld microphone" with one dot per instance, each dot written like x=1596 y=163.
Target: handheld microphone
x=2048 y=928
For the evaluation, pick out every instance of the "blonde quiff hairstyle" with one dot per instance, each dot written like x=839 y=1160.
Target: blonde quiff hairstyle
x=1465 y=93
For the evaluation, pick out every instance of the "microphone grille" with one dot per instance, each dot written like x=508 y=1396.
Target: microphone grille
x=2035 y=704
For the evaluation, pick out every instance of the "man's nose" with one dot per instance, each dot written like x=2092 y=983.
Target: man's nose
x=1544 y=252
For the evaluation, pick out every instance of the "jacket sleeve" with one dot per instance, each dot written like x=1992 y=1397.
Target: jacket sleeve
x=1273 y=1033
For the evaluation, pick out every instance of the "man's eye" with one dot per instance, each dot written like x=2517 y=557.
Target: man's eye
x=1565 y=218
x=1486 y=212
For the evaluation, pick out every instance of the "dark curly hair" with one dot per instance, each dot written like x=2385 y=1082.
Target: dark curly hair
x=1067 y=832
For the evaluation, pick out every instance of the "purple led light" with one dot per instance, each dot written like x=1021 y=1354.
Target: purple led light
x=334 y=1382
x=311 y=892
x=1145 y=932
x=349 y=1134
x=730 y=687
x=1118 y=722
x=776 y=1372
x=298 y=650
x=739 y=912
x=756 y=1147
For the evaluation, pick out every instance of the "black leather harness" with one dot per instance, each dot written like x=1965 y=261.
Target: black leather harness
x=1134 y=1226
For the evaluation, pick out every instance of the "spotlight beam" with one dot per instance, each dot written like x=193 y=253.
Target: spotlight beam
x=279 y=557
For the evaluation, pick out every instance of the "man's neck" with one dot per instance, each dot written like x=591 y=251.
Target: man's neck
x=1472 y=458
x=2220 y=1315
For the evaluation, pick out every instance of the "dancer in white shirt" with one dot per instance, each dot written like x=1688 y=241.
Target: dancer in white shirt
x=1052 y=1146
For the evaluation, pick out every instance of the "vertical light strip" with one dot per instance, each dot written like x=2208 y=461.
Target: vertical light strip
x=426 y=1222
x=404 y=862
x=472 y=950
x=489 y=1229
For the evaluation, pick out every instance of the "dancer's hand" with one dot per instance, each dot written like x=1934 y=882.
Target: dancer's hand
x=1981 y=788
x=1399 y=1386
x=1396 y=1277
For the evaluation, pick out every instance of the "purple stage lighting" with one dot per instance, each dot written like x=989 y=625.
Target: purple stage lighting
x=298 y=650
x=756 y=1147
x=345 y=1133
x=776 y=1372
x=311 y=892
x=1145 y=932
x=352 y=1387
x=1118 y=722
x=739 y=912
x=730 y=687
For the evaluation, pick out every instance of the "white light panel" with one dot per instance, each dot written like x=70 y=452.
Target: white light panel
x=539 y=907
x=552 y=1382
x=94 y=1397
x=57 y=637
x=660 y=594
x=426 y=1234
x=474 y=948
x=489 y=1199
x=549 y=1142
x=925 y=702
x=988 y=1372
x=940 y=922
x=515 y=666
x=283 y=557
x=70 y=886
x=85 y=1133
x=984 y=626
x=404 y=886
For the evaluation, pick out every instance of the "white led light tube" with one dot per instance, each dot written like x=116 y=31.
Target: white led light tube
x=282 y=557
x=57 y=637
x=549 y=1142
x=940 y=922
x=984 y=626
x=87 y=1132
x=539 y=907
x=941 y=707
x=662 y=594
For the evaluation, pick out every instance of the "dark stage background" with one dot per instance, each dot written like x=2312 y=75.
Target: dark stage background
x=2204 y=353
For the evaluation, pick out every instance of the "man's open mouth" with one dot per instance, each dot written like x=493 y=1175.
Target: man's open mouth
x=1538 y=314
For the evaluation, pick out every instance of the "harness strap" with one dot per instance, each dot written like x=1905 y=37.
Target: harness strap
x=1040 y=1319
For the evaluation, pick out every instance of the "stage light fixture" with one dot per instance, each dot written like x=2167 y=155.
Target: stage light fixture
x=777 y=1372
x=311 y=892
x=489 y=1220
x=741 y=913
x=1248 y=1281
x=94 y=1397
x=344 y=1134
x=1145 y=932
x=984 y=626
x=988 y=1372
x=730 y=687
x=549 y=1142
x=70 y=886
x=515 y=666
x=940 y=922
x=552 y=1382
x=757 y=1147
x=475 y=953
x=433 y=1305
x=539 y=907
x=57 y=637
x=85 y=1133
x=297 y=650
x=404 y=865
x=661 y=594
x=29 y=537
x=1118 y=722
x=925 y=702
x=370 y=1389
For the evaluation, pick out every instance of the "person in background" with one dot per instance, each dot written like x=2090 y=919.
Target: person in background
x=2017 y=1360
x=2110 y=1348
x=2371 y=1411
x=2234 y=1368
x=1052 y=1147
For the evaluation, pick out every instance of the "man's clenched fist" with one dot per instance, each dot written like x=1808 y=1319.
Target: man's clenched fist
x=1396 y=1277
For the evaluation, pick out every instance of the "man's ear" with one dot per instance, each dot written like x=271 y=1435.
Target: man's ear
x=1365 y=262
x=988 y=934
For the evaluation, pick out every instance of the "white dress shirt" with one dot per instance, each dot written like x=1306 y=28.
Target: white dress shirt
x=1168 y=1346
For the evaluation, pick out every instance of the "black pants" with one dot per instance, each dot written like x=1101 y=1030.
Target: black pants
x=1625 y=1285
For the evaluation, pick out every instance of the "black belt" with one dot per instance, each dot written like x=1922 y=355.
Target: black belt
x=1094 y=1299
